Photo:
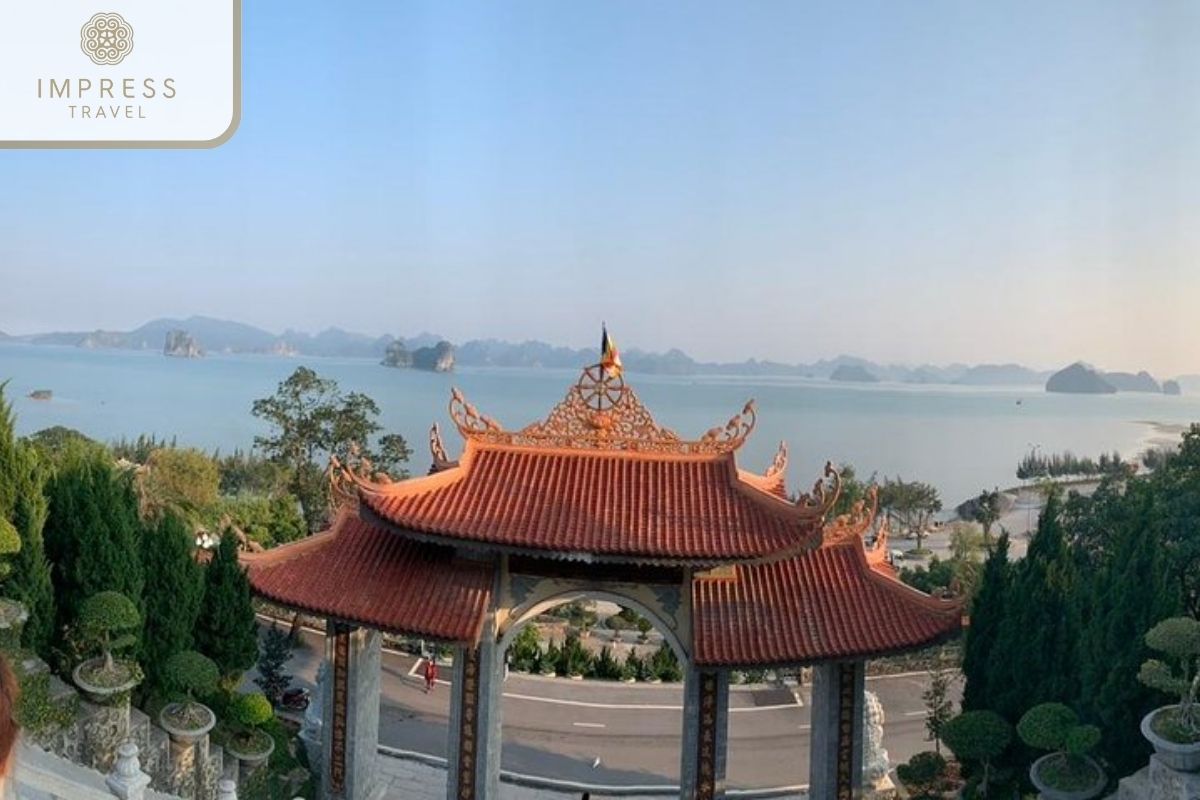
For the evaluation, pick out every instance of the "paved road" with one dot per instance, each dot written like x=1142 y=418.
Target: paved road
x=558 y=728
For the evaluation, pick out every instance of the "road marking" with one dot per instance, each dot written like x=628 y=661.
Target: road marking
x=916 y=713
x=588 y=724
x=632 y=706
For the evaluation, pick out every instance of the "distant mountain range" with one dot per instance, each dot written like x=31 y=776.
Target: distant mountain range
x=223 y=336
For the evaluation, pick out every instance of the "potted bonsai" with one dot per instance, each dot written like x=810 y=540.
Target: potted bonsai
x=105 y=625
x=1067 y=772
x=980 y=736
x=1174 y=730
x=189 y=674
x=247 y=742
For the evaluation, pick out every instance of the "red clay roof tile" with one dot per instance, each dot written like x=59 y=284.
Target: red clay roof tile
x=597 y=502
x=826 y=604
x=359 y=573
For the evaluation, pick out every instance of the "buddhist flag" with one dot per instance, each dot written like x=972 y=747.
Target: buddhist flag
x=610 y=358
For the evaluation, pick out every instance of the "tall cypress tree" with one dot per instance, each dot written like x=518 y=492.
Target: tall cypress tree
x=174 y=591
x=987 y=613
x=1131 y=592
x=23 y=505
x=93 y=535
x=226 y=630
x=1037 y=638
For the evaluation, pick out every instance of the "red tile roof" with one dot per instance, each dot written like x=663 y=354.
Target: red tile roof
x=826 y=604
x=358 y=573
x=649 y=506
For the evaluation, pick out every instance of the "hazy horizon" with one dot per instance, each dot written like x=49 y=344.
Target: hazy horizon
x=929 y=183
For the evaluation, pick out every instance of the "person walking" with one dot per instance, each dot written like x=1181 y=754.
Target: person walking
x=431 y=673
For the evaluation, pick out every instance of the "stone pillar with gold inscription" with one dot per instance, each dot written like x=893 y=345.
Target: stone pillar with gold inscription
x=836 y=745
x=705 y=734
x=350 y=730
x=473 y=751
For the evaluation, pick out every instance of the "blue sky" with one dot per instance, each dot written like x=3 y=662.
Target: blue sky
x=914 y=181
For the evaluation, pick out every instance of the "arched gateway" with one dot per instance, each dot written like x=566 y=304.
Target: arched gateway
x=599 y=499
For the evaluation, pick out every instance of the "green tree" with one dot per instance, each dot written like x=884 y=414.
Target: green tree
x=184 y=481
x=276 y=651
x=22 y=518
x=189 y=675
x=912 y=504
x=1039 y=632
x=938 y=705
x=93 y=534
x=107 y=621
x=987 y=614
x=311 y=420
x=226 y=630
x=1130 y=590
x=978 y=736
x=986 y=512
x=174 y=589
x=853 y=489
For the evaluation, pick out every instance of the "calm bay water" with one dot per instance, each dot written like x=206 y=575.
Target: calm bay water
x=961 y=439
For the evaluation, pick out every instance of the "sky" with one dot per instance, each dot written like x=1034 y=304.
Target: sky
x=904 y=181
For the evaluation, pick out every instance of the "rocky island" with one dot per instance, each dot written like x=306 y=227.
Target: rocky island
x=180 y=344
x=438 y=358
x=41 y=394
x=1079 y=378
x=852 y=373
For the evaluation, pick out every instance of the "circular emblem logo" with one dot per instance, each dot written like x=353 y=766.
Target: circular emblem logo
x=106 y=38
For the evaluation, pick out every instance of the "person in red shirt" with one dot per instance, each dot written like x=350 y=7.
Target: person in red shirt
x=431 y=672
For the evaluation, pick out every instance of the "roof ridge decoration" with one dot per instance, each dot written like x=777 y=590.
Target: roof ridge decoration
x=346 y=478
x=600 y=412
x=437 y=450
x=778 y=468
x=855 y=523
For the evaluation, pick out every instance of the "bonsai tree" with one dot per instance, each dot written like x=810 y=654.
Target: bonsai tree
x=1055 y=727
x=247 y=713
x=106 y=622
x=644 y=626
x=1179 y=639
x=922 y=774
x=979 y=736
x=188 y=674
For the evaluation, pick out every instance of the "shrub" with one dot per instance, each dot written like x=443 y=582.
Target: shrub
x=1046 y=726
x=249 y=711
x=276 y=650
x=664 y=665
x=104 y=620
x=606 y=667
x=980 y=736
x=922 y=773
x=190 y=673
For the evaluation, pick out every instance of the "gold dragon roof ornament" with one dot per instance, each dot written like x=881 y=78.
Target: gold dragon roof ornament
x=356 y=472
x=856 y=523
x=600 y=412
x=778 y=467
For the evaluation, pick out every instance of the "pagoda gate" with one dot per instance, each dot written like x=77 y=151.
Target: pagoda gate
x=599 y=501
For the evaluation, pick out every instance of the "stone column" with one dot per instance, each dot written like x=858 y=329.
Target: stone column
x=705 y=736
x=127 y=781
x=473 y=750
x=836 y=746
x=350 y=730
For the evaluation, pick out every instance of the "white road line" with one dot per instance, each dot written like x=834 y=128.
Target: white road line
x=632 y=706
x=916 y=713
x=588 y=724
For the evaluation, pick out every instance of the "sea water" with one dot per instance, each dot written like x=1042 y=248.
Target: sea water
x=961 y=439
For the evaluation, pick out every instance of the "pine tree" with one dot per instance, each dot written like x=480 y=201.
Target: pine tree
x=23 y=506
x=93 y=535
x=226 y=630
x=276 y=650
x=987 y=613
x=173 y=592
x=1034 y=651
x=1131 y=593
